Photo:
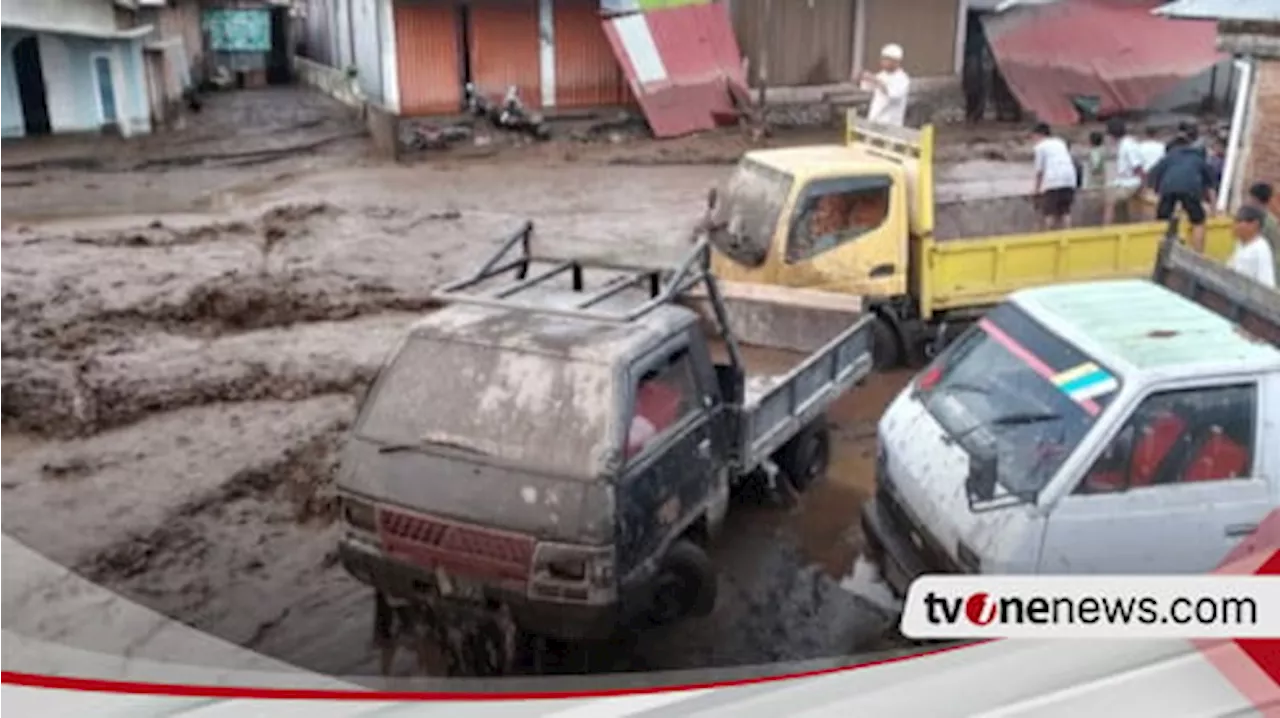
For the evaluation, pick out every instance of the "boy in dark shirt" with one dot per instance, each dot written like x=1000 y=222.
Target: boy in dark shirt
x=1183 y=178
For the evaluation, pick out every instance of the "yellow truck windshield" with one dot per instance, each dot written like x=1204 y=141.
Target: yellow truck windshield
x=746 y=215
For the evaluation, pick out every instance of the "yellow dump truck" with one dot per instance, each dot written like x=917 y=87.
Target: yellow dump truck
x=861 y=219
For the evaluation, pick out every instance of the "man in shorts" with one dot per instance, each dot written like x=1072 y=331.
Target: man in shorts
x=1056 y=179
x=1183 y=179
x=1124 y=188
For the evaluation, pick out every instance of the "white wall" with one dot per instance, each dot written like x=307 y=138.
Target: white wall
x=343 y=58
x=365 y=21
x=80 y=14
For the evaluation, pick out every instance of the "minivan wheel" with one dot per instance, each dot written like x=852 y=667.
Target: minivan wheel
x=806 y=457
x=685 y=586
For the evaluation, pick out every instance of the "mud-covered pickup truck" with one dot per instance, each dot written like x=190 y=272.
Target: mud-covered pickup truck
x=1101 y=428
x=549 y=454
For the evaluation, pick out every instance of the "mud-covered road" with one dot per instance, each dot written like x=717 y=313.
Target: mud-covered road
x=176 y=383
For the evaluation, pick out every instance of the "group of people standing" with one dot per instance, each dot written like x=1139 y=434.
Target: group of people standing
x=1145 y=177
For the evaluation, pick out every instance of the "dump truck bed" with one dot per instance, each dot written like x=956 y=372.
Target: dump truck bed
x=802 y=351
x=979 y=272
x=970 y=251
x=1252 y=306
x=776 y=407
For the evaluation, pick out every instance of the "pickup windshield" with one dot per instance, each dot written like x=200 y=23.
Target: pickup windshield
x=1027 y=394
x=747 y=214
x=546 y=413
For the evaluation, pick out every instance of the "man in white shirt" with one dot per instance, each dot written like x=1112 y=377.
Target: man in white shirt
x=1125 y=187
x=1252 y=256
x=889 y=89
x=1055 y=178
x=1152 y=149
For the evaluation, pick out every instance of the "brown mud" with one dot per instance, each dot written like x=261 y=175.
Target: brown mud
x=178 y=375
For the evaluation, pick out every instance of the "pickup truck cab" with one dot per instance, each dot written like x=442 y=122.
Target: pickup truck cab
x=551 y=461
x=1105 y=427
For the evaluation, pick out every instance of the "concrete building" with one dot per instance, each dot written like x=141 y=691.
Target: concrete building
x=67 y=67
x=1250 y=30
x=821 y=42
x=173 y=52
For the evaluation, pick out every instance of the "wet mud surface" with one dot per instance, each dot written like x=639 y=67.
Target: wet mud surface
x=177 y=384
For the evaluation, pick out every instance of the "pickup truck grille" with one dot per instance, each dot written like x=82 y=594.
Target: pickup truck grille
x=437 y=541
x=931 y=556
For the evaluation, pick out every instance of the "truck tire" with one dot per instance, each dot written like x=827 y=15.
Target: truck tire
x=886 y=345
x=804 y=459
x=686 y=584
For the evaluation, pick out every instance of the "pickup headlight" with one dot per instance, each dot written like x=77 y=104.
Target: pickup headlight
x=359 y=515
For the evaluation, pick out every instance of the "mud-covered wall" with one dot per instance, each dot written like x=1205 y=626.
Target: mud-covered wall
x=1007 y=215
x=329 y=80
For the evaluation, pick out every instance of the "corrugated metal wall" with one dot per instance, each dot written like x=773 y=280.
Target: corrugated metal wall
x=319 y=33
x=809 y=42
x=587 y=73
x=427 y=55
x=926 y=30
x=504 y=47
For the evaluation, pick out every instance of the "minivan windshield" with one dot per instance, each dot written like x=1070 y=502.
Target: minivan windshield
x=1028 y=394
x=551 y=414
x=747 y=212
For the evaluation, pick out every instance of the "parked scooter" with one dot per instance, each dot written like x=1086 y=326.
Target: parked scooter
x=510 y=114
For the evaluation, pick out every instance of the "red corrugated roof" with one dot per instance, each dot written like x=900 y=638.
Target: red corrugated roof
x=688 y=86
x=1115 y=50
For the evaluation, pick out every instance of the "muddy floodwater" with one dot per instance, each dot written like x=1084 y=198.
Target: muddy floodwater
x=178 y=375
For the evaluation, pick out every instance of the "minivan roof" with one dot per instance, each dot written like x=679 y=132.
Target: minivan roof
x=1143 y=325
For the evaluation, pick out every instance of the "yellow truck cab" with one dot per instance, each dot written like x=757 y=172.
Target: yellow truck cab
x=861 y=219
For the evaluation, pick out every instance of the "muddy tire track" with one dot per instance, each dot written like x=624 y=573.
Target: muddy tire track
x=167 y=372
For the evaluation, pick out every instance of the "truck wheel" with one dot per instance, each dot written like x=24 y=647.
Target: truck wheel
x=686 y=584
x=805 y=458
x=886 y=348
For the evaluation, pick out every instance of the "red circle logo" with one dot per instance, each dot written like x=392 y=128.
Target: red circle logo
x=980 y=609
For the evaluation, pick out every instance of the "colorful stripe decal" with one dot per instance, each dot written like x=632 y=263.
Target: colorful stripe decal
x=1087 y=381
x=1034 y=362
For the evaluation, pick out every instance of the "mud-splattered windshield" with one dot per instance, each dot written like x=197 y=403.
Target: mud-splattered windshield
x=748 y=210
x=1028 y=394
x=546 y=413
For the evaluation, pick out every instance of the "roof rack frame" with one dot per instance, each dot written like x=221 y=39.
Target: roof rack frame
x=665 y=286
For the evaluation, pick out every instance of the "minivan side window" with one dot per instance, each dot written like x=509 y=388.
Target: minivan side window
x=1180 y=437
x=664 y=396
x=833 y=212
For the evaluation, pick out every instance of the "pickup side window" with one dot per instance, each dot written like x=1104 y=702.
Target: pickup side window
x=664 y=396
x=1179 y=437
x=833 y=212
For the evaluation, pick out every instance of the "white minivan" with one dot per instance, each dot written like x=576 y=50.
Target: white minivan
x=1106 y=427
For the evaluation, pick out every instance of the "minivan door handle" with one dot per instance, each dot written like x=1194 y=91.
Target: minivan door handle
x=1238 y=530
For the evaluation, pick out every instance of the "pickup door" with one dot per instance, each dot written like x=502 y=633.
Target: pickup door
x=1186 y=478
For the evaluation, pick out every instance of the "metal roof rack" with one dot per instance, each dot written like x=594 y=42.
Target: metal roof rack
x=516 y=258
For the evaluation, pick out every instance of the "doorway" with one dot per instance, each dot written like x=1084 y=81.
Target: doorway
x=278 y=70
x=103 y=78
x=31 y=89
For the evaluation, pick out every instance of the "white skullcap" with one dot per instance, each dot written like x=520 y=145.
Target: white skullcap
x=892 y=52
